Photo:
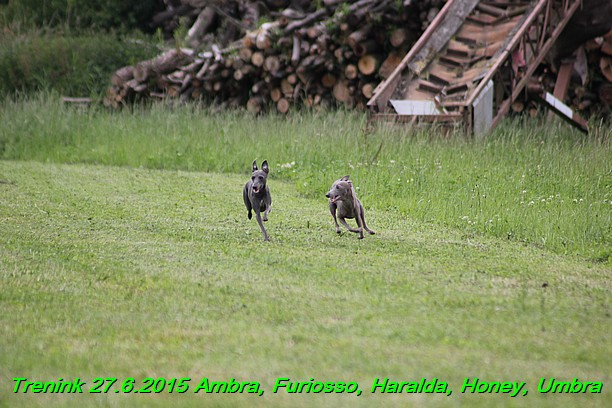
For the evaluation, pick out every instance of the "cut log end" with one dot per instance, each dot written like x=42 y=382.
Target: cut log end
x=282 y=105
x=255 y=105
x=368 y=64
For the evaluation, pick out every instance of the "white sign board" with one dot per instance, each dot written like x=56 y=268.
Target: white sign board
x=483 y=110
x=415 y=107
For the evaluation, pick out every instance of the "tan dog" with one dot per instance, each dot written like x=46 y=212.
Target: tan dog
x=344 y=203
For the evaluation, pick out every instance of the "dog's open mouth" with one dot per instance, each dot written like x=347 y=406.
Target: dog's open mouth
x=333 y=199
x=256 y=190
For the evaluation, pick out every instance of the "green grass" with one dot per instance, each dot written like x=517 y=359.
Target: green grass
x=131 y=272
x=547 y=186
x=67 y=63
x=125 y=252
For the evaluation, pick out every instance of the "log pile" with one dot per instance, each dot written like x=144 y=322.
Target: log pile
x=582 y=53
x=273 y=54
x=601 y=52
x=327 y=53
x=589 y=88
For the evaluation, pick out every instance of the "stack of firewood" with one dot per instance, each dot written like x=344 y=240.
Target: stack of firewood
x=309 y=53
x=590 y=88
x=602 y=52
x=272 y=54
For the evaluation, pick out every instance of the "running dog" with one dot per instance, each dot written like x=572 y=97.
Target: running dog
x=344 y=203
x=257 y=196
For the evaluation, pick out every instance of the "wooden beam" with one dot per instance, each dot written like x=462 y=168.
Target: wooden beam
x=564 y=111
x=563 y=80
x=385 y=89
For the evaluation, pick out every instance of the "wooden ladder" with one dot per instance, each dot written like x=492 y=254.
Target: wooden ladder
x=473 y=61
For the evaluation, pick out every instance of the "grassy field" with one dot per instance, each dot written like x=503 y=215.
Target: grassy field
x=126 y=253
x=543 y=185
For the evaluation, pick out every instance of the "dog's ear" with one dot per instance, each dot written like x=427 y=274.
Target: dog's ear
x=264 y=166
x=254 y=165
x=345 y=178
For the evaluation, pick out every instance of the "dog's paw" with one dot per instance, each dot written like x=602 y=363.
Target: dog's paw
x=250 y=215
x=371 y=232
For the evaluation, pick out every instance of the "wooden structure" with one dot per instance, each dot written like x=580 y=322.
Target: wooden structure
x=472 y=63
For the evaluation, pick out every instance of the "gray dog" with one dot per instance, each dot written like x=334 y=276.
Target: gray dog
x=344 y=203
x=257 y=196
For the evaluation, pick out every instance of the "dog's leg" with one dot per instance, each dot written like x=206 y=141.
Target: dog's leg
x=260 y=222
x=362 y=216
x=268 y=208
x=332 y=209
x=247 y=200
x=355 y=230
x=359 y=219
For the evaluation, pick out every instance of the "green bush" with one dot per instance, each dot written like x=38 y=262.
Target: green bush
x=71 y=65
x=81 y=14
